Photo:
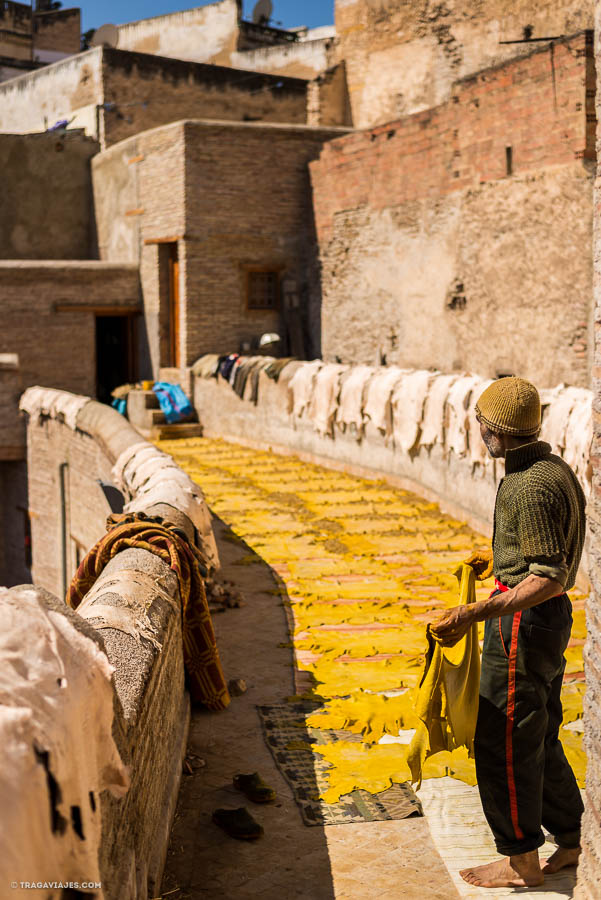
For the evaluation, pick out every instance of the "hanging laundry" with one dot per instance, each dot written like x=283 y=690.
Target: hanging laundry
x=408 y=399
x=301 y=386
x=457 y=405
x=352 y=398
x=433 y=427
x=448 y=691
x=378 y=406
x=325 y=397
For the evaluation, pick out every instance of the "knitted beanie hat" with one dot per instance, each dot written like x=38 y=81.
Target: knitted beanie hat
x=510 y=405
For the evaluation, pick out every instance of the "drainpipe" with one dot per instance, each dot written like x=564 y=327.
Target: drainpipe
x=62 y=469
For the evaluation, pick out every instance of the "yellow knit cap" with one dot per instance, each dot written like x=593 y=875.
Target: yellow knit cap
x=510 y=405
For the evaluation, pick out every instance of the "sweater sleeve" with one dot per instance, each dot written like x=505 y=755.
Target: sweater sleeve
x=541 y=532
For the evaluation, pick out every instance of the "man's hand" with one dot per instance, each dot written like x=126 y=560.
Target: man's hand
x=481 y=562
x=453 y=625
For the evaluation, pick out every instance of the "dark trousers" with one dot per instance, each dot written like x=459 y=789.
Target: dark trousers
x=524 y=778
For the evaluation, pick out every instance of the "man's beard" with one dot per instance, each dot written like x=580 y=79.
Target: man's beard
x=494 y=445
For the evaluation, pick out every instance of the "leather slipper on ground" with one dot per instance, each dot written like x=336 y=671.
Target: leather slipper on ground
x=238 y=823
x=254 y=788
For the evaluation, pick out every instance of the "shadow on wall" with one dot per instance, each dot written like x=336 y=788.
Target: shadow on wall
x=254 y=645
x=15 y=538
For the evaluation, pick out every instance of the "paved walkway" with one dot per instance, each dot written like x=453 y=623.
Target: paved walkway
x=343 y=565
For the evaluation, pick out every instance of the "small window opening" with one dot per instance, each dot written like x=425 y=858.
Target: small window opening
x=509 y=160
x=262 y=289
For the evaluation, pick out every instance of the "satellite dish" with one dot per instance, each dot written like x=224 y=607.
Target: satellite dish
x=105 y=36
x=262 y=12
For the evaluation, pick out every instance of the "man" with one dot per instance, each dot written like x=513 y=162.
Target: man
x=524 y=779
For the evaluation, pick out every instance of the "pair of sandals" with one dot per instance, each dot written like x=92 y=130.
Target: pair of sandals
x=238 y=823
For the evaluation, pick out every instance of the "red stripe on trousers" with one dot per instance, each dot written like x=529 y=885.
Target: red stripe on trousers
x=513 y=653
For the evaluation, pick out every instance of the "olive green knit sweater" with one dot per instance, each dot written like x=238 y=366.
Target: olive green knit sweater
x=539 y=518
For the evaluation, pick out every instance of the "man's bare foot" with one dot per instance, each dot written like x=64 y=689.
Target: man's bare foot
x=513 y=871
x=561 y=859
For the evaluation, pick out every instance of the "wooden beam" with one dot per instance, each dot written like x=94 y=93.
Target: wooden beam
x=97 y=309
x=172 y=239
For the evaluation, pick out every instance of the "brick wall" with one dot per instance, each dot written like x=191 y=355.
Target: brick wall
x=55 y=349
x=57 y=30
x=46 y=211
x=403 y=57
x=430 y=250
x=15 y=30
x=150 y=90
x=210 y=187
x=589 y=870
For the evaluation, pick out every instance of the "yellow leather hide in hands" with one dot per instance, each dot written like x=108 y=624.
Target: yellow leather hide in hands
x=447 y=697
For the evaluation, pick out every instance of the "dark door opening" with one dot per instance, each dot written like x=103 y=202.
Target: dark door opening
x=174 y=307
x=113 y=354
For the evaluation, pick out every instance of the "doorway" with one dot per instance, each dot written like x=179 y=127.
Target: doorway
x=174 y=306
x=114 y=345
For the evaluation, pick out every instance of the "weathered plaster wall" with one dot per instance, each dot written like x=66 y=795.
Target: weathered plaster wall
x=404 y=57
x=55 y=348
x=115 y=94
x=203 y=34
x=69 y=89
x=589 y=870
x=209 y=187
x=431 y=252
x=46 y=186
x=300 y=59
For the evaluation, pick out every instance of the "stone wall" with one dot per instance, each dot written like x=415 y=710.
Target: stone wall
x=68 y=512
x=49 y=322
x=589 y=871
x=167 y=186
x=404 y=57
x=47 y=211
x=114 y=94
x=445 y=233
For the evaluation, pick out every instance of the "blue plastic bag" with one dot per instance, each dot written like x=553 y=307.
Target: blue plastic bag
x=120 y=404
x=173 y=402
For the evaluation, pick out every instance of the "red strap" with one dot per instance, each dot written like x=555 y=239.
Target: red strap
x=513 y=800
x=500 y=587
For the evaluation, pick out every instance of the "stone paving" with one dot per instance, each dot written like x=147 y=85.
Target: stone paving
x=379 y=859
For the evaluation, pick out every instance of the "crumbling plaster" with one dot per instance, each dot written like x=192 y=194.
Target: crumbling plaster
x=394 y=281
x=203 y=34
x=404 y=57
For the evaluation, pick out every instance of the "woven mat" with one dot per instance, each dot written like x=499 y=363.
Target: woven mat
x=289 y=739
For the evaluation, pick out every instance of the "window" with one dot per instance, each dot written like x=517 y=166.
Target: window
x=262 y=289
